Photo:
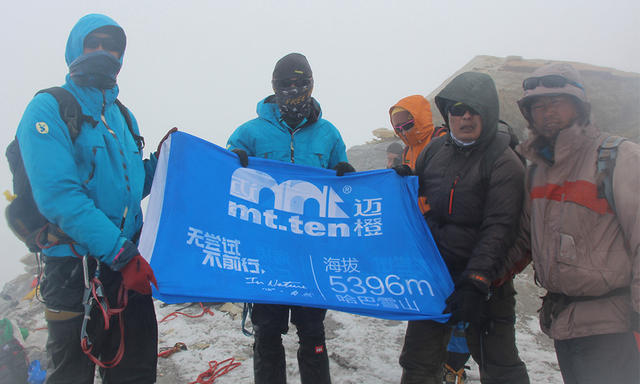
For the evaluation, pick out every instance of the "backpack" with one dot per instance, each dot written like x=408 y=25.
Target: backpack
x=23 y=217
x=607 y=154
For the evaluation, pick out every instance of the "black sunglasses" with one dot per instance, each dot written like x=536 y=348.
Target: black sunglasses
x=107 y=43
x=549 y=81
x=286 y=83
x=460 y=110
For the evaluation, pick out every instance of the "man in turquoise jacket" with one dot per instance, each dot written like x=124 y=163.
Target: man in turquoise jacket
x=289 y=128
x=90 y=188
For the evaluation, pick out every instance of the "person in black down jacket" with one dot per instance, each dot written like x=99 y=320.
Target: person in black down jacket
x=474 y=186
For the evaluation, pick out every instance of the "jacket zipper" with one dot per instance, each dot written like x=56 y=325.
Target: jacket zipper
x=126 y=177
x=292 y=160
x=453 y=187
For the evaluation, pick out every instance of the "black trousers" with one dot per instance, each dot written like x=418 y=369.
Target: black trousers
x=610 y=358
x=492 y=344
x=270 y=322
x=62 y=290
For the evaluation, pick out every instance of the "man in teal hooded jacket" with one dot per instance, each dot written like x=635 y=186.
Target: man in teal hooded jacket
x=90 y=188
x=290 y=128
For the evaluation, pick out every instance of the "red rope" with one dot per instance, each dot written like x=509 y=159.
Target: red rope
x=173 y=315
x=116 y=359
x=216 y=370
x=176 y=348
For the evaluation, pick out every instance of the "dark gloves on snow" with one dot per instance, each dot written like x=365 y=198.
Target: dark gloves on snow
x=465 y=303
x=343 y=167
x=136 y=272
x=242 y=155
x=403 y=170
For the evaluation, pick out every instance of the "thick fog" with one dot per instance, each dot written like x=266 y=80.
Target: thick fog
x=204 y=65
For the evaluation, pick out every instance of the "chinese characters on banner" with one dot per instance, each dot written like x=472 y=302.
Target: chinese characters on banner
x=289 y=234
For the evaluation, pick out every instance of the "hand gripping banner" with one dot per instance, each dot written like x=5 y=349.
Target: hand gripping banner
x=281 y=233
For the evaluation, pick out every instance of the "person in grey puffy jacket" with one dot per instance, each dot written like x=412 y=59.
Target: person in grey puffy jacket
x=585 y=251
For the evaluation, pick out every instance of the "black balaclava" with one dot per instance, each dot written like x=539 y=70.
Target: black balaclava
x=294 y=102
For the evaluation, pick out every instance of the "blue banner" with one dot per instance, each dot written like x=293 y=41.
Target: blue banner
x=281 y=233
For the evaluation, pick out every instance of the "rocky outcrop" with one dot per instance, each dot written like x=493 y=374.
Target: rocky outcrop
x=614 y=95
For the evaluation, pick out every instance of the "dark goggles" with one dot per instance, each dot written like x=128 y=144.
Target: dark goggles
x=461 y=109
x=549 y=81
x=107 y=43
x=404 y=126
x=286 y=83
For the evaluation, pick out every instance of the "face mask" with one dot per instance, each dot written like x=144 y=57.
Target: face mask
x=97 y=69
x=294 y=102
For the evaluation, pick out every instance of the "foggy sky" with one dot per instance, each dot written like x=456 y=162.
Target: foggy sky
x=204 y=65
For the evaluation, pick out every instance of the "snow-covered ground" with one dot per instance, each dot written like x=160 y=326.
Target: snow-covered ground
x=361 y=349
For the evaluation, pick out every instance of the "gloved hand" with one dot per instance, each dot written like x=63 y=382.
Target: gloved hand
x=464 y=304
x=343 y=167
x=174 y=129
x=242 y=155
x=403 y=170
x=635 y=327
x=136 y=272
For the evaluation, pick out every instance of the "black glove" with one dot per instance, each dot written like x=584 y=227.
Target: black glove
x=464 y=304
x=242 y=155
x=343 y=167
x=403 y=170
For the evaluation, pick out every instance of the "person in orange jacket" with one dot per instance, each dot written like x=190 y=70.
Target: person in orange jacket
x=411 y=120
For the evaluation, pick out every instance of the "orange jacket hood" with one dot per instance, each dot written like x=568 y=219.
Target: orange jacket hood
x=419 y=136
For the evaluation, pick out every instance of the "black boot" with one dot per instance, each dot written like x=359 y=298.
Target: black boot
x=313 y=362
x=269 y=362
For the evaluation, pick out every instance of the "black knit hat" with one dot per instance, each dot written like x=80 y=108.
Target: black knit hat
x=292 y=65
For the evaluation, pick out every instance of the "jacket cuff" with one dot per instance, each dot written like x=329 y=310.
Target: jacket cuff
x=478 y=281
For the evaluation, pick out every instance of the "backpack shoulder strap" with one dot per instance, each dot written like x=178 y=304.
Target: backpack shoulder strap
x=70 y=110
x=433 y=147
x=491 y=153
x=607 y=154
x=127 y=118
x=439 y=131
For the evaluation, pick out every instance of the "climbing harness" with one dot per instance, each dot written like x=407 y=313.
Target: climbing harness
x=94 y=295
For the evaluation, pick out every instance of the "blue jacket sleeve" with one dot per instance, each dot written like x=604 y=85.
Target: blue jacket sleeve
x=339 y=152
x=240 y=139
